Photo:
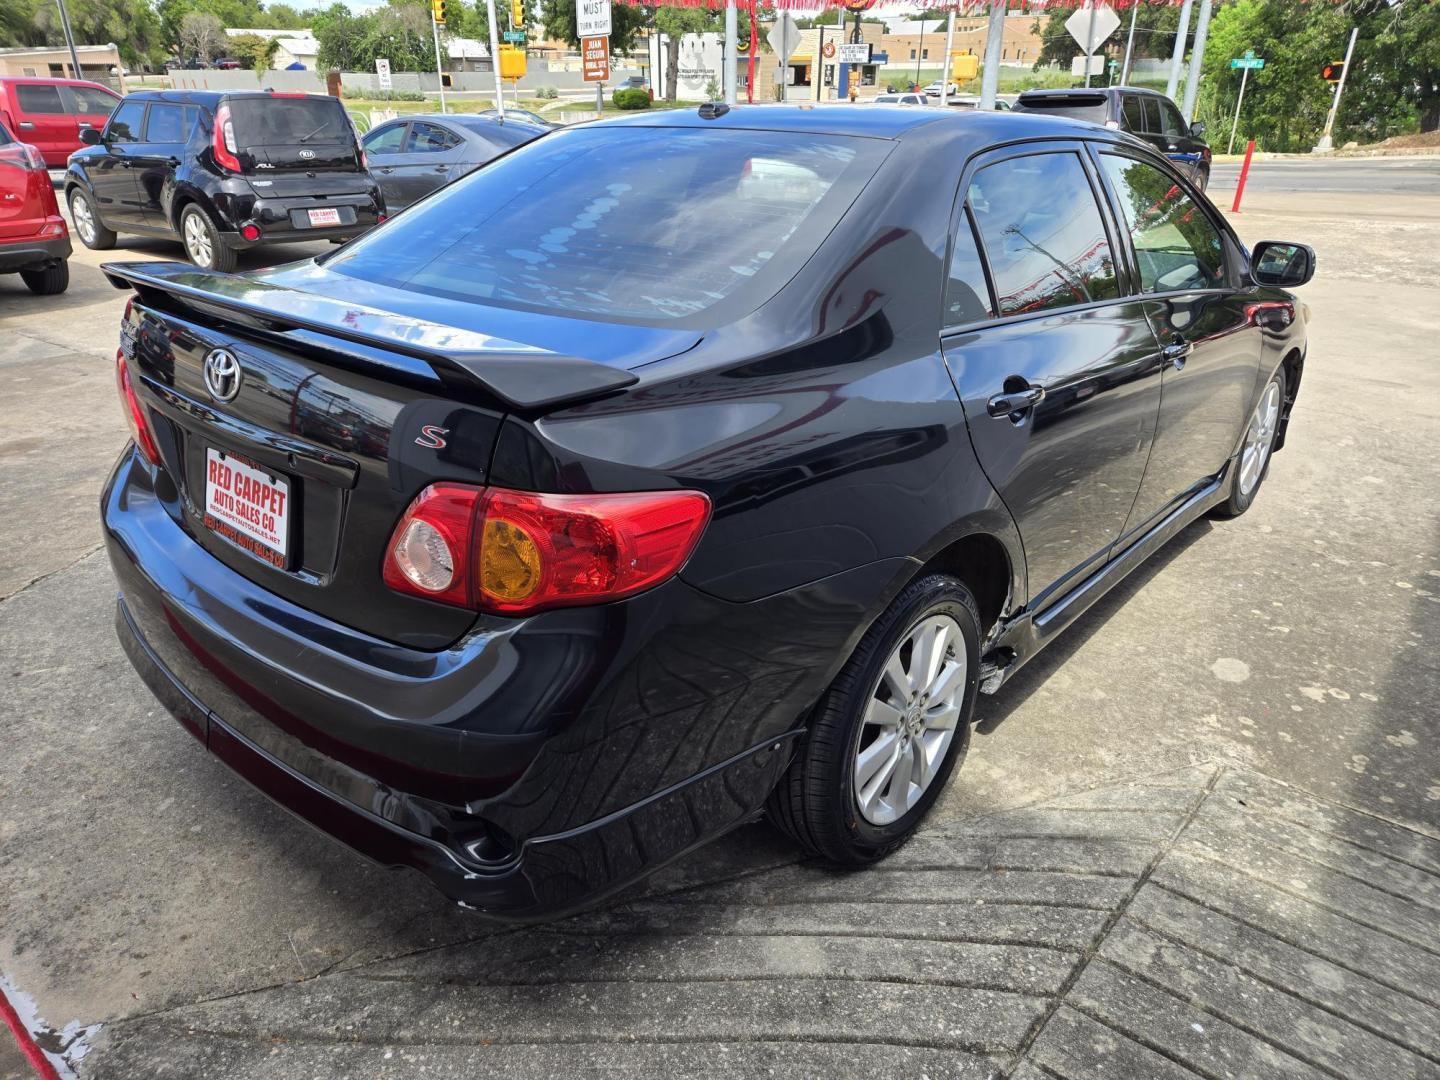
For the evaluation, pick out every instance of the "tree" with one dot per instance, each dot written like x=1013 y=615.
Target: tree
x=256 y=52
x=201 y=35
x=130 y=23
x=1396 y=69
x=675 y=23
x=558 y=19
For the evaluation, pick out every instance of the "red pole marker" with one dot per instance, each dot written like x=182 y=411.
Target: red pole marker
x=1244 y=172
x=31 y=1052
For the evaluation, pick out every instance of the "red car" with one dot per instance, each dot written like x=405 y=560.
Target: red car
x=34 y=241
x=49 y=114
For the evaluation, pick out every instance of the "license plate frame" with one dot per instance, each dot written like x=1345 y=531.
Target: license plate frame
x=321 y=217
x=249 y=505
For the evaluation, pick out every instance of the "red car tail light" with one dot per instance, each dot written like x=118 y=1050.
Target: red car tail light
x=24 y=155
x=139 y=426
x=517 y=552
x=223 y=140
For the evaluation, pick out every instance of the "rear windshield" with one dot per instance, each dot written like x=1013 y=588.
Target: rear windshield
x=1075 y=108
x=650 y=225
x=506 y=134
x=285 y=121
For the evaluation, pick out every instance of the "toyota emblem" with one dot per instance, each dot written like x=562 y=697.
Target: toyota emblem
x=222 y=374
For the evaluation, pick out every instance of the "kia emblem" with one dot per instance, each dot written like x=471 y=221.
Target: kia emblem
x=222 y=374
x=307 y=153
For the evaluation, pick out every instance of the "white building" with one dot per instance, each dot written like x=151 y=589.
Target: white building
x=295 y=46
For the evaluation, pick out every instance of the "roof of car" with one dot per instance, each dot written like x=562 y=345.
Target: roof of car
x=1102 y=90
x=204 y=97
x=865 y=120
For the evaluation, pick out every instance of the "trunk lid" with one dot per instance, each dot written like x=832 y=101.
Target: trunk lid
x=321 y=440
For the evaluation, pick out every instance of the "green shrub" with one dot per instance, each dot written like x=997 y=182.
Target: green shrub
x=631 y=98
x=547 y=93
x=382 y=95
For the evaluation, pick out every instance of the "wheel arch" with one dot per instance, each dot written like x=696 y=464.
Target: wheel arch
x=1293 y=364
x=986 y=565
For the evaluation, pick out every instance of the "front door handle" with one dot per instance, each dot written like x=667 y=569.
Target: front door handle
x=26 y=125
x=442 y=168
x=1177 y=352
x=386 y=169
x=1013 y=404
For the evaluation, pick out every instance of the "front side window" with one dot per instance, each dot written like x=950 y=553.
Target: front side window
x=568 y=225
x=125 y=125
x=38 y=99
x=1176 y=244
x=1170 y=119
x=90 y=101
x=1043 y=234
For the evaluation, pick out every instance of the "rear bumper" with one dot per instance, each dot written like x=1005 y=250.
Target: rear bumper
x=277 y=218
x=28 y=254
x=533 y=767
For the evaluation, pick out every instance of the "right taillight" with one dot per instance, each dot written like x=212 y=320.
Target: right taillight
x=223 y=140
x=139 y=426
x=518 y=552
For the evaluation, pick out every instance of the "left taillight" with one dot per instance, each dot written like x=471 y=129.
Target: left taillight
x=519 y=552
x=134 y=414
x=24 y=155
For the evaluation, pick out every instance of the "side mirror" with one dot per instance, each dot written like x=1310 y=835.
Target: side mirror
x=1197 y=129
x=90 y=136
x=1277 y=262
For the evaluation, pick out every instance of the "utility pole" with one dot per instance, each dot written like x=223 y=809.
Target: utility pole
x=1129 y=46
x=994 y=42
x=1197 y=57
x=494 y=61
x=440 y=71
x=1235 y=124
x=818 y=76
x=731 y=62
x=920 y=52
x=70 y=40
x=948 y=61
x=1178 y=59
x=1326 y=143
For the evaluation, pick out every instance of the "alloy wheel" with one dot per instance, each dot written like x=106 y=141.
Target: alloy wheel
x=910 y=719
x=1255 y=451
x=83 y=218
x=197 y=241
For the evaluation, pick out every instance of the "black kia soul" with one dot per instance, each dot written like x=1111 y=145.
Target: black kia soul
x=549 y=530
x=222 y=172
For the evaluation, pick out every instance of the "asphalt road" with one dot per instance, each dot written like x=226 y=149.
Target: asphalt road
x=1282 y=665
x=1363 y=176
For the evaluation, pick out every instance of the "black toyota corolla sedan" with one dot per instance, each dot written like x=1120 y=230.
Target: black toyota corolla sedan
x=678 y=469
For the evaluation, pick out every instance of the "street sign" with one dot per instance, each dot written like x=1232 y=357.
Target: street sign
x=1247 y=62
x=382 y=73
x=784 y=35
x=1077 y=65
x=592 y=19
x=515 y=37
x=1091 y=25
x=855 y=54
x=595 y=57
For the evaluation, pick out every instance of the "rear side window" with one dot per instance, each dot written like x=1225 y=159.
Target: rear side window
x=1043 y=234
x=166 y=124
x=1152 y=115
x=568 y=224
x=1134 y=113
x=89 y=101
x=38 y=99
x=1176 y=243
x=967 y=297
x=125 y=125
x=285 y=121
x=430 y=139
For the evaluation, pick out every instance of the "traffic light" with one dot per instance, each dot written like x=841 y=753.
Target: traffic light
x=517 y=14
x=512 y=62
x=1333 y=72
x=964 y=66
x=437 y=8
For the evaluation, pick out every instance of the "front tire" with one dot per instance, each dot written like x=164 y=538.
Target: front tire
x=203 y=243
x=1252 y=464
x=88 y=226
x=49 y=281
x=886 y=735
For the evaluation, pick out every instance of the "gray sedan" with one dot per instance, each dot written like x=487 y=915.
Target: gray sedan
x=414 y=155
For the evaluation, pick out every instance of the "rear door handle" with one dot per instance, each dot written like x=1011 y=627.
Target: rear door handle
x=1013 y=403
x=1177 y=352
x=442 y=168
x=26 y=125
x=386 y=169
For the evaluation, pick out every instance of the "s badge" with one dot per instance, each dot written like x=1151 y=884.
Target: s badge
x=432 y=437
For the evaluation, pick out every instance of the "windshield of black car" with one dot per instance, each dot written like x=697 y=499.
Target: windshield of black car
x=650 y=225
x=1091 y=109
x=287 y=121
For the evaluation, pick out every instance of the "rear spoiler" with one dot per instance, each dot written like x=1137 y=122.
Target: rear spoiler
x=522 y=376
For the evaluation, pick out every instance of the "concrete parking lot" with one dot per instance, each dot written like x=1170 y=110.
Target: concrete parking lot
x=1198 y=836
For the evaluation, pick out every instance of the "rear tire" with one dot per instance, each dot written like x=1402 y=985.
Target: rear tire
x=86 y=219
x=900 y=721
x=50 y=281
x=1202 y=178
x=203 y=243
x=1252 y=464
